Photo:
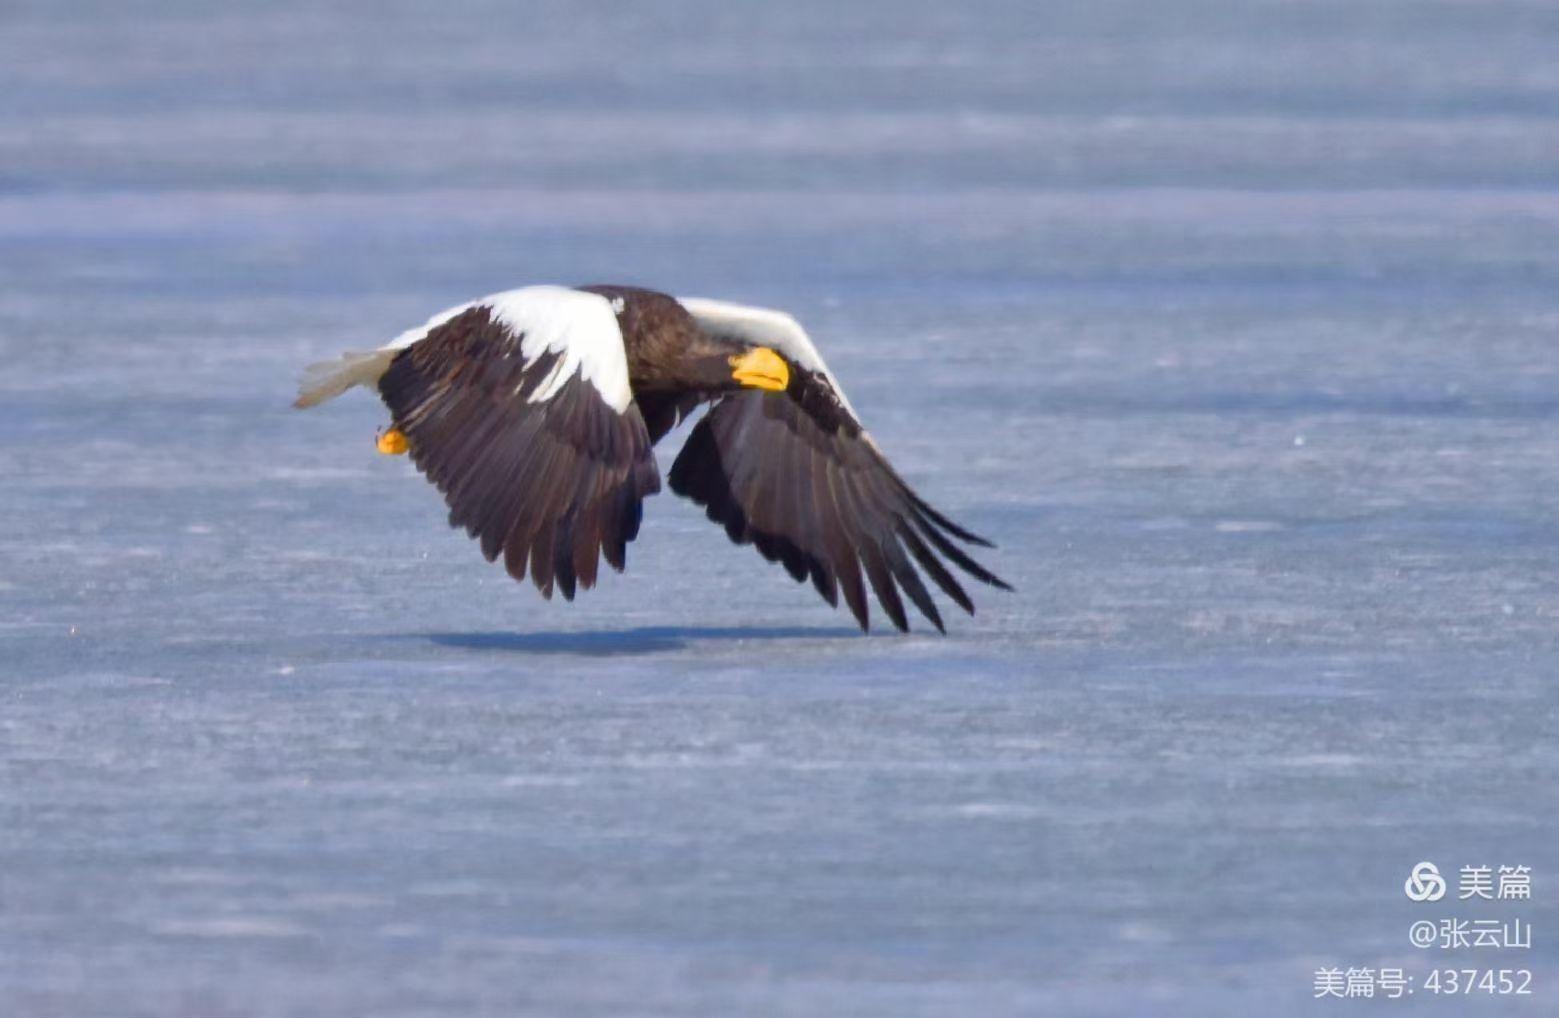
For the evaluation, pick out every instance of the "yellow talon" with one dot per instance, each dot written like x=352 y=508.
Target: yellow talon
x=761 y=368
x=392 y=442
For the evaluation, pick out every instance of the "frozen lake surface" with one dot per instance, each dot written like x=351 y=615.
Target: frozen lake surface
x=1234 y=324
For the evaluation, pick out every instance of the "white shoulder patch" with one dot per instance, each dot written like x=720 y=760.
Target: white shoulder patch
x=580 y=327
x=763 y=327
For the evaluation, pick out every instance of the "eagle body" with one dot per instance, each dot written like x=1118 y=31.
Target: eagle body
x=536 y=412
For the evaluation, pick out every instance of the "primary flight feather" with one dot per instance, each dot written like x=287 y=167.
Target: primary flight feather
x=535 y=413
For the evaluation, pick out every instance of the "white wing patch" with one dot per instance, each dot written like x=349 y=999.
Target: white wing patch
x=763 y=327
x=580 y=327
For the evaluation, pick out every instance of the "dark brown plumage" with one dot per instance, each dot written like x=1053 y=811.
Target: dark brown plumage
x=549 y=483
x=824 y=503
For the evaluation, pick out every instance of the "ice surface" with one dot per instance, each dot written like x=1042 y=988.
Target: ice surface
x=1234 y=324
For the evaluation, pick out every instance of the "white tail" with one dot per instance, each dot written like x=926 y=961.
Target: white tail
x=329 y=379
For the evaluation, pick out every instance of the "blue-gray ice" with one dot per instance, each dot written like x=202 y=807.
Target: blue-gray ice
x=1234 y=323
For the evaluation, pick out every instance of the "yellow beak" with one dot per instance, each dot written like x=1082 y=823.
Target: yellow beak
x=761 y=368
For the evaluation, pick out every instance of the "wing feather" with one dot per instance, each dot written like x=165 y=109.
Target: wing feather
x=517 y=409
x=795 y=475
x=843 y=554
x=826 y=507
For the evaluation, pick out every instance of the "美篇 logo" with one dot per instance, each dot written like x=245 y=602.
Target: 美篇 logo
x=1425 y=883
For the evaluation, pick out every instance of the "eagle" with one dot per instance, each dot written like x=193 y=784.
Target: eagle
x=536 y=412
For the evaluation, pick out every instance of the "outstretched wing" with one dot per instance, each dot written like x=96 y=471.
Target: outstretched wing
x=518 y=408
x=795 y=475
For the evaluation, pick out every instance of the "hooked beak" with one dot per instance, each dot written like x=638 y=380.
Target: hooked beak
x=761 y=368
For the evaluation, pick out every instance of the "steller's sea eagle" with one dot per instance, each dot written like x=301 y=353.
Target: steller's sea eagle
x=535 y=412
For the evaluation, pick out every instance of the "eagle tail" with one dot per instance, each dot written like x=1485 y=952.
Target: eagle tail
x=329 y=379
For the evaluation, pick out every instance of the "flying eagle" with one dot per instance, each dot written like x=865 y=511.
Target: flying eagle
x=535 y=412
